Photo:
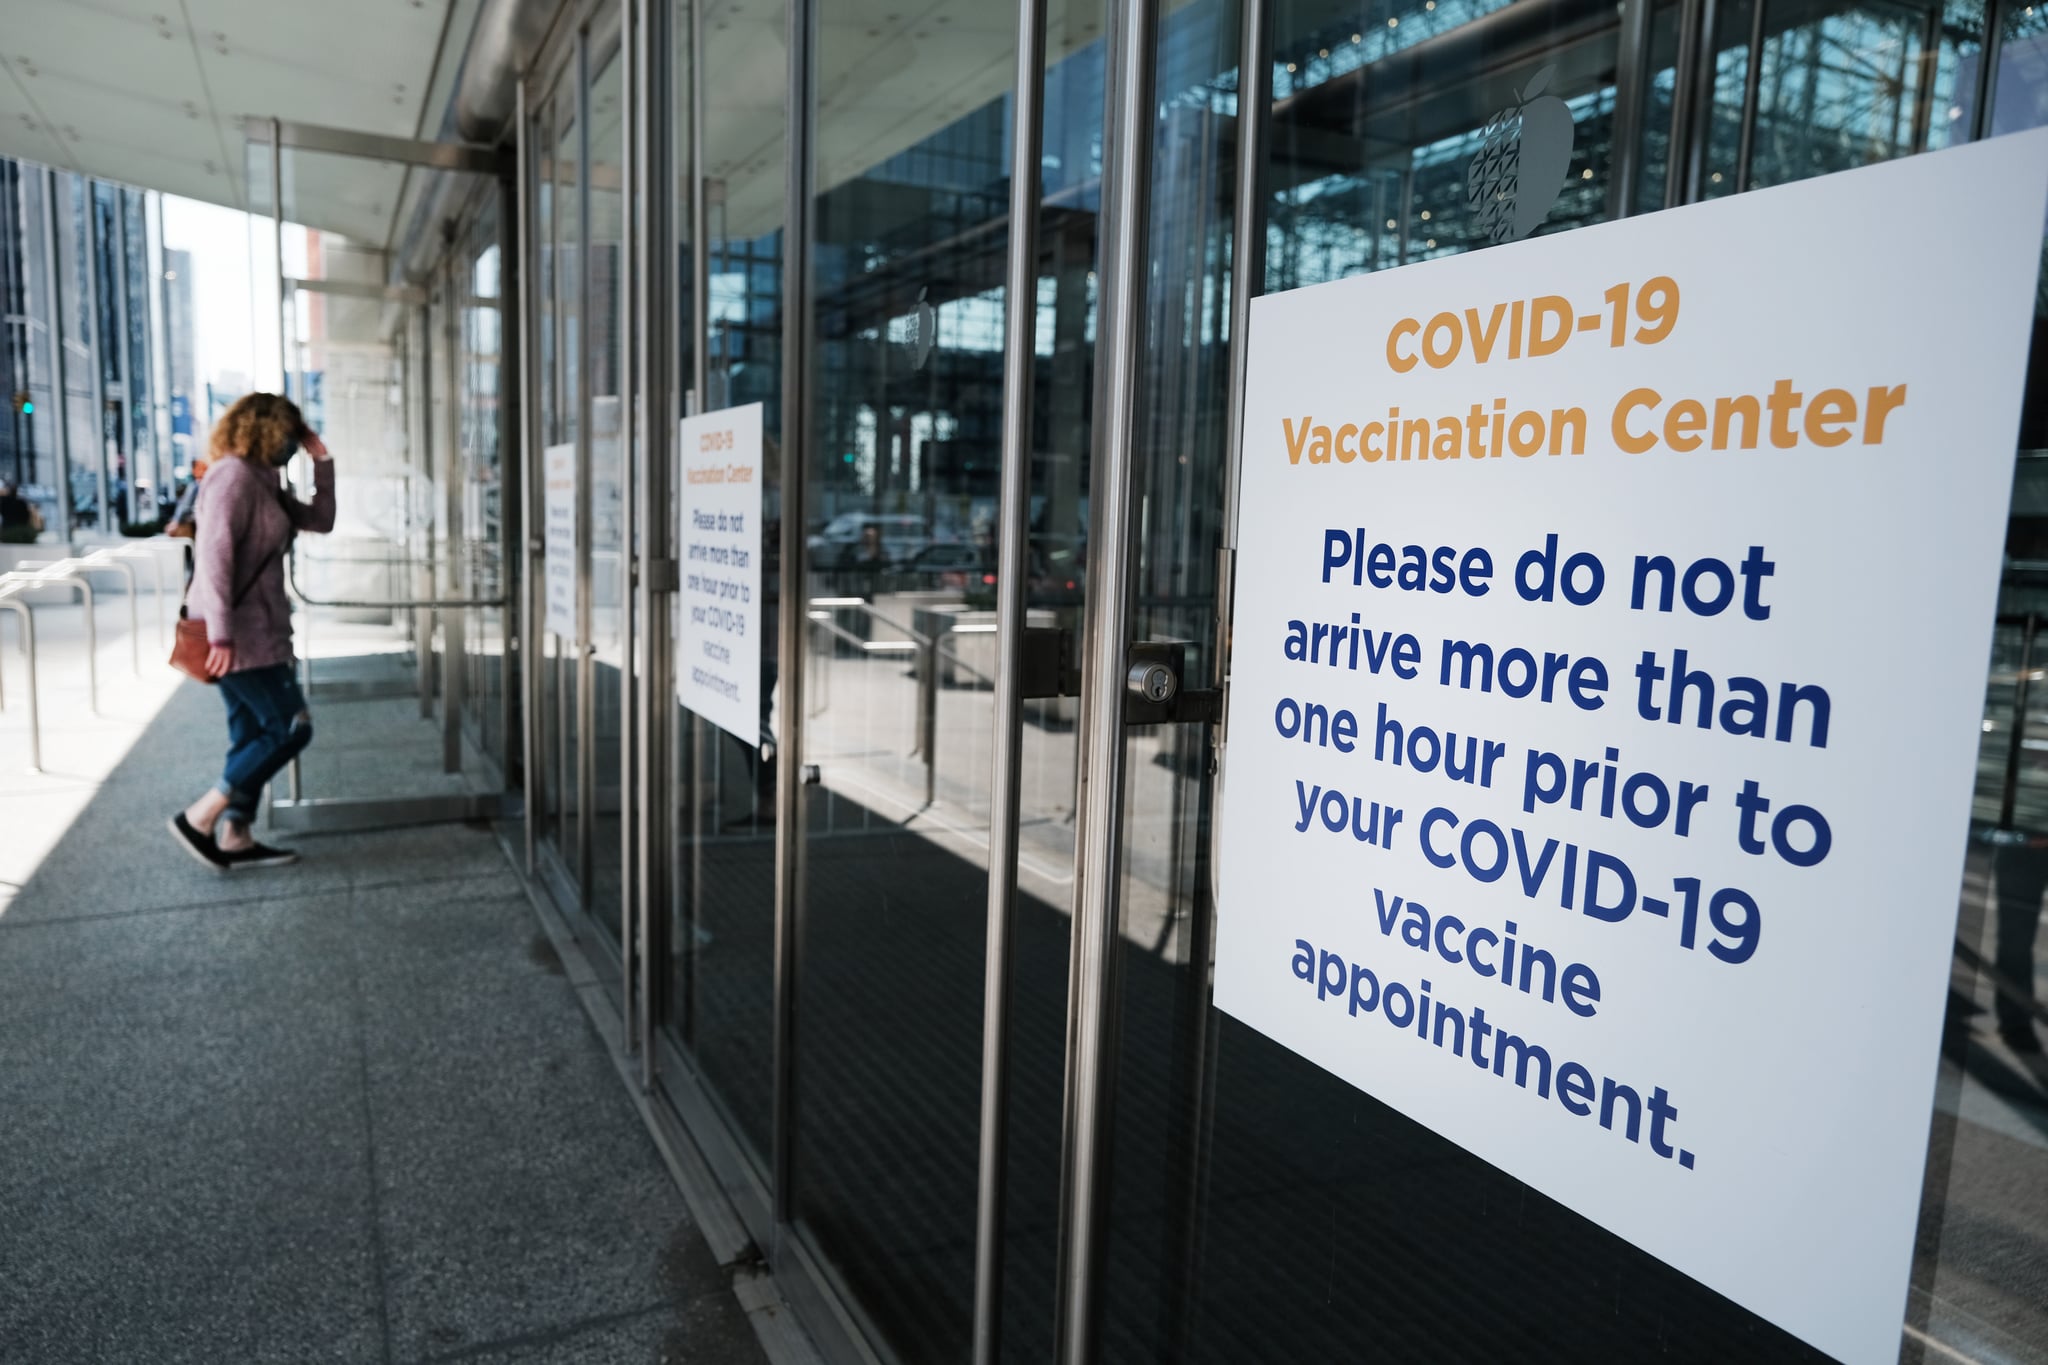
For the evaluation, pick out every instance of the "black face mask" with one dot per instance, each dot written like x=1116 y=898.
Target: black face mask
x=284 y=455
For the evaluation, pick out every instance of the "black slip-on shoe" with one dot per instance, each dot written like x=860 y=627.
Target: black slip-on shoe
x=258 y=855
x=200 y=846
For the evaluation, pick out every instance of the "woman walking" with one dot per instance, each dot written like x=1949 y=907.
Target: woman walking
x=246 y=520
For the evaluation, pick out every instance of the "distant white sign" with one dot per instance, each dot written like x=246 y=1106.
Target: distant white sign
x=718 y=630
x=1611 y=625
x=558 y=508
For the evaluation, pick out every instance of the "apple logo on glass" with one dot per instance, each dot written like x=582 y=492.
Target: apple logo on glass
x=927 y=335
x=1519 y=170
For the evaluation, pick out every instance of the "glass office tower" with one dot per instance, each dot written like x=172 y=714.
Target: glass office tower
x=82 y=360
x=976 y=1114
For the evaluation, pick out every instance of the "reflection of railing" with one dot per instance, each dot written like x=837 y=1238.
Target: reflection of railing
x=936 y=658
x=389 y=604
x=2008 y=801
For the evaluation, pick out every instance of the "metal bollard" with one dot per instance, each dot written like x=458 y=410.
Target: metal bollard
x=28 y=653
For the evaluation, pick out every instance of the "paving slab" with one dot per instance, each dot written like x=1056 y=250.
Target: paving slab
x=347 y=1111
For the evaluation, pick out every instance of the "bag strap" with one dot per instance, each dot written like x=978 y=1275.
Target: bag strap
x=254 y=578
x=261 y=569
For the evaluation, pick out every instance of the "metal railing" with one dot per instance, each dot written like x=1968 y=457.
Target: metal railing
x=74 y=571
x=10 y=597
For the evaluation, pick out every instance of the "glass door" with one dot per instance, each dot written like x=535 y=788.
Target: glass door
x=1260 y=1208
x=396 y=604
x=720 y=970
x=584 y=483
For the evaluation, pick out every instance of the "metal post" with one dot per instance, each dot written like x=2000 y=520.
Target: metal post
x=160 y=351
x=1247 y=281
x=420 y=425
x=1020 y=359
x=1701 y=129
x=1020 y=370
x=60 y=399
x=801 y=112
x=156 y=562
x=701 y=737
x=654 y=382
x=928 y=713
x=1094 y=1003
x=121 y=348
x=700 y=224
x=510 y=411
x=92 y=643
x=1684 y=87
x=528 y=624
x=1631 y=89
x=28 y=653
x=1752 y=86
x=625 y=317
x=586 y=653
x=277 y=245
x=454 y=645
x=93 y=347
x=455 y=632
x=2009 y=800
x=1987 y=69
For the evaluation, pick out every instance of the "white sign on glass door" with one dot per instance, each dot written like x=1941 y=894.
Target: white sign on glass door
x=1611 y=625
x=558 y=529
x=718 y=626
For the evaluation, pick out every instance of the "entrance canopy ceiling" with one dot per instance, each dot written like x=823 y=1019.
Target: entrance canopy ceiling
x=154 y=92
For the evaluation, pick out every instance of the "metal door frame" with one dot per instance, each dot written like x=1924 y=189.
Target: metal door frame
x=298 y=812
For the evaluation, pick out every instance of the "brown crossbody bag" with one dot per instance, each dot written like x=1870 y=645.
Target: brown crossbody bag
x=189 y=647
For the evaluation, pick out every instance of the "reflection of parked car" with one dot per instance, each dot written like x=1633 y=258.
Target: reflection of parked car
x=840 y=544
x=1054 y=573
x=955 y=565
x=1058 y=568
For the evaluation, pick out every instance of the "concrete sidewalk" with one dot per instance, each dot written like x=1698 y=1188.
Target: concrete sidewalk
x=347 y=1111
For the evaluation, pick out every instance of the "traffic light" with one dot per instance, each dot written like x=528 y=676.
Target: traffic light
x=24 y=405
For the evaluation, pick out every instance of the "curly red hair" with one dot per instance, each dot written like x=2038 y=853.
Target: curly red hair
x=258 y=425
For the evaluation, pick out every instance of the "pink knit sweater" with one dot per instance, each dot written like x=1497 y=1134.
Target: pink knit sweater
x=245 y=517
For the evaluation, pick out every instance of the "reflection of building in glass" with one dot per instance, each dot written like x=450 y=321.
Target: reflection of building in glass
x=188 y=414
x=78 y=359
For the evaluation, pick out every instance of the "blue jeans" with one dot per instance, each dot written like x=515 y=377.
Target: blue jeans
x=268 y=726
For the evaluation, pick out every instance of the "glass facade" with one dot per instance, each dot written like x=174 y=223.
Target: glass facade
x=821 y=1018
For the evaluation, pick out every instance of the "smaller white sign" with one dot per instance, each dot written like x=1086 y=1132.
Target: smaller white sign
x=558 y=505
x=718 y=627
